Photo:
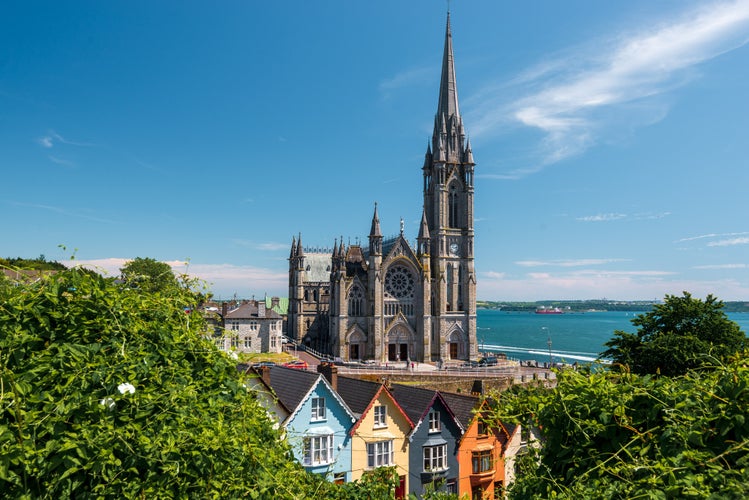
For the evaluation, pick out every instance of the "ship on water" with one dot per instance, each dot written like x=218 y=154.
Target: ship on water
x=548 y=310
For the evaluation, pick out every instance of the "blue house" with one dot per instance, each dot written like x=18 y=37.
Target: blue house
x=433 y=462
x=318 y=422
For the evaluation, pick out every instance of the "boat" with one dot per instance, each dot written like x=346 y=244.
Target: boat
x=548 y=310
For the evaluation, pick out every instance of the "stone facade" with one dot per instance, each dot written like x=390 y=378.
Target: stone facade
x=391 y=301
x=250 y=327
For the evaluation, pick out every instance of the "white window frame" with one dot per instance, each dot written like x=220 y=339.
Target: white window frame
x=435 y=458
x=380 y=454
x=318 y=409
x=380 y=416
x=248 y=342
x=434 y=421
x=234 y=324
x=253 y=325
x=317 y=450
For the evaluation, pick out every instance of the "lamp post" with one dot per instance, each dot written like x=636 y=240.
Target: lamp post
x=548 y=343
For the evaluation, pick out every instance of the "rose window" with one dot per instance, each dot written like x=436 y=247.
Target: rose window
x=399 y=282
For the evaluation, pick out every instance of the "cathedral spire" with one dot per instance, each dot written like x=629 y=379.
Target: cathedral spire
x=448 y=101
x=292 y=254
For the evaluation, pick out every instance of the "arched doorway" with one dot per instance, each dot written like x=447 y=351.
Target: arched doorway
x=398 y=342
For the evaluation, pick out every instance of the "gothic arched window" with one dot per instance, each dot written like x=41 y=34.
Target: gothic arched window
x=452 y=207
x=400 y=286
x=355 y=301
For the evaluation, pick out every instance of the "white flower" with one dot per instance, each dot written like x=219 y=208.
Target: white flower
x=107 y=402
x=125 y=388
x=234 y=355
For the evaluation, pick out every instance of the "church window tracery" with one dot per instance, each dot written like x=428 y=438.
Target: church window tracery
x=399 y=291
x=355 y=301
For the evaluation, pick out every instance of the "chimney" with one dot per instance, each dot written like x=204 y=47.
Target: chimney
x=274 y=301
x=224 y=309
x=330 y=372
x=265 y=374
x=260 y=308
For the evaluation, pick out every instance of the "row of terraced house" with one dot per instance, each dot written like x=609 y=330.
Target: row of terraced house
x=342 y=427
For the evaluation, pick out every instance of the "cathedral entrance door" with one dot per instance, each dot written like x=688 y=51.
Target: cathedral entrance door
x=392 y=352
x=453 y=350
x=404 y=352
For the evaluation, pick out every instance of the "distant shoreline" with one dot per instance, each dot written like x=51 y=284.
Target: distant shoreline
x=583 y=306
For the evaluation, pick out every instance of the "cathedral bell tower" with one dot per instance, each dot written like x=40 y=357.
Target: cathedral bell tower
x=448 y=206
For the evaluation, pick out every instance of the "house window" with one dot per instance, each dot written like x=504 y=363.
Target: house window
x=380 y=454
x=434 y=421
x=273 y=341
x=318 y=450
x=482 y=461
x=248 y=342
x=434 y=458
x=339 y=477
x=234 y=341
x=481 y=428
x=219 y=342
x=318 y=408
x=253 y=325
x=234 y=324
x=380 y=416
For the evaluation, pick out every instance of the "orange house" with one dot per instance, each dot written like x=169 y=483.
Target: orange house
x=481 y=450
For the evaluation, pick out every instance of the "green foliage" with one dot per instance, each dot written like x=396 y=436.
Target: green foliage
x=621 y=435
x=39 y=264
x=681 y=334
x=148 y=275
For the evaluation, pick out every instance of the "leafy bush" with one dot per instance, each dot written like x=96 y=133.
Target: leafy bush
x=621 y=435
x=110 y=392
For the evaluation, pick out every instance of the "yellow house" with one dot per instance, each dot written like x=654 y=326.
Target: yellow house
x=379 y=436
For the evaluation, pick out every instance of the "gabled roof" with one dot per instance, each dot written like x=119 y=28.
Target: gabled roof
x=417 y=402
x=293 y=387
x=360 y=395
x=462 y=406
x=249 y=310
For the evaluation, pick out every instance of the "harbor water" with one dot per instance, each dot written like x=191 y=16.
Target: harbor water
x=570 y=337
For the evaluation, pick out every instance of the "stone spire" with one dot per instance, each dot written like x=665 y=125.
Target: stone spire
x=448 y=137
x=375 y=231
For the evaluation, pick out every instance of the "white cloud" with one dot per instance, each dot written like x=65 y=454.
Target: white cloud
x=407 y=78
x=722 y=266
x=602 y=217
x=729 y=242
x=573 y=100
x=567 y=262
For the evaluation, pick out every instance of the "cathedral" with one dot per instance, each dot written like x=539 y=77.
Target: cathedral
x=389 y=301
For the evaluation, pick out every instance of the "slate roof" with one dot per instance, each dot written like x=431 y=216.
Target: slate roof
x=358 y=394
x=462 y=407
x=291 y=385
x=249 y=310
x=319 y=267
x=415 y=401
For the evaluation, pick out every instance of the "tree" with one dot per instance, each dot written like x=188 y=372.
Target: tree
x=111 y=392
x=620 y=435
x=681 y=334
x=149 y=275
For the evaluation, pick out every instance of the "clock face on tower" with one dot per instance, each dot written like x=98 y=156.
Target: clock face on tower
x=453 y=248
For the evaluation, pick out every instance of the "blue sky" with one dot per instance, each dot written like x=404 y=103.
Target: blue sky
x=610 y=137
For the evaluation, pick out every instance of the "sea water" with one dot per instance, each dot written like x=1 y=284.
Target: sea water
x=570 y=337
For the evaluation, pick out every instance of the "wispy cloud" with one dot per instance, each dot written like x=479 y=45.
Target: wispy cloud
x=266 y=246
x=407 y=78
x=602 y=217
x=617 y=216
x=574 y=99
x=48 y=141
x=729 y=242
x=722 y=266
x=61 y=161
x=720 y=239
x=567 y=262
x=61 y=211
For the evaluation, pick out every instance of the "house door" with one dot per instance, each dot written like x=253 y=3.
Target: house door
x=400 y=490
x=453 y=350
